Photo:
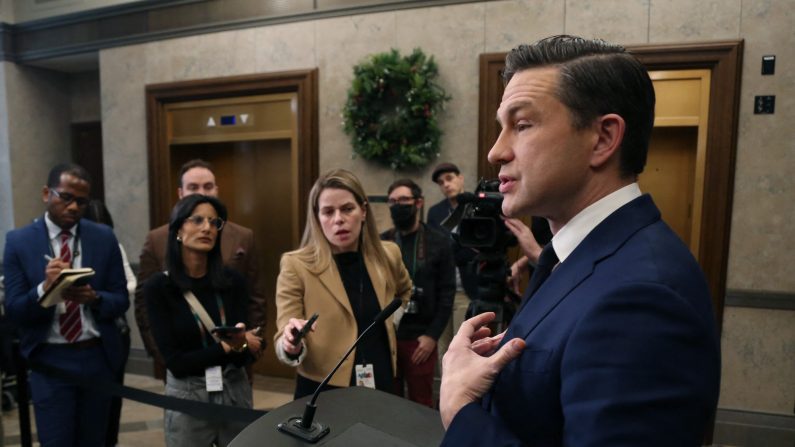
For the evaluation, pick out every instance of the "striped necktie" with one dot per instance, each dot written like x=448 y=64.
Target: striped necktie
x=71 y=325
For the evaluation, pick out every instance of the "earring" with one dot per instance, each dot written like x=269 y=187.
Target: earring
x=179 y=239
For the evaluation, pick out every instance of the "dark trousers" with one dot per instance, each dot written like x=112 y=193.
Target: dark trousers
x=112 y=436
x=68 y=415
x=307 y=387
x=417 y=378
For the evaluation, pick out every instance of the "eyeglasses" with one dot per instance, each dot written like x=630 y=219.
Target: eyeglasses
x=69 y=198
x=402 y=200
x=198 y=221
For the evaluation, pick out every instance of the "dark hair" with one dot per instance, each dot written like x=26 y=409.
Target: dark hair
x=195 y=163
x=596 y=78
x=416 y=191
x=98 y=212
x=174 y=263
x=54 y=177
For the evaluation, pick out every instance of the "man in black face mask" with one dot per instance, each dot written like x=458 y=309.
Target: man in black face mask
x=428 y=257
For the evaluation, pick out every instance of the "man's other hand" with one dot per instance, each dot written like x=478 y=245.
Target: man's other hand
x=80 y=294
x=471 y=365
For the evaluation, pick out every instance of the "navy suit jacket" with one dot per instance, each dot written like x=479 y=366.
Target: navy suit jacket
x=24 y=264
x=622 y=348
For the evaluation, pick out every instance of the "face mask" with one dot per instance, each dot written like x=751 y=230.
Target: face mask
x=403 y=216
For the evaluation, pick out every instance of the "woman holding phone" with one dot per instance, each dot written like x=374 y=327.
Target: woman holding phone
x=345 y=274
x=186 y=303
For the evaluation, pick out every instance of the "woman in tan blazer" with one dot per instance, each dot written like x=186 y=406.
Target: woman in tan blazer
x=347 y=275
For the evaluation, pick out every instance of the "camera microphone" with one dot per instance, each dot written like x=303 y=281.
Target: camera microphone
x=465 y=197
x=303 y=426
x=451 y=222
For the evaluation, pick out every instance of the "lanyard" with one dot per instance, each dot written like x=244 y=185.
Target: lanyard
x=419 y=247
x=221 y=311
x=75 y=244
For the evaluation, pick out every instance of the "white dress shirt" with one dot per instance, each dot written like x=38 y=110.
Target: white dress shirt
x=575 y=230
x=86 y=317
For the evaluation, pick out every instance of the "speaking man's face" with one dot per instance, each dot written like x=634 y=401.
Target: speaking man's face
x=544 y=161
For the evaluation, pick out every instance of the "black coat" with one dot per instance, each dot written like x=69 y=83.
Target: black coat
x=435 y=275
x=464 y=256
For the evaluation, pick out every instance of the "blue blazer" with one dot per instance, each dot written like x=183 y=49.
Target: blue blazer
x=24 y=263
x=622 y=348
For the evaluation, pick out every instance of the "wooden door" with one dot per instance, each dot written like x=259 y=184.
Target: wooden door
x=260 y=135
x=87 y=152
x=255 y=185
x=674 y=174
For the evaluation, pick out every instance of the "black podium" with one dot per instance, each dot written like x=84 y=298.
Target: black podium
x=357 y=416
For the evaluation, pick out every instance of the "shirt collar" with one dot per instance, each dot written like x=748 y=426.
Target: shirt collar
x=53 y=230
x=575 y=230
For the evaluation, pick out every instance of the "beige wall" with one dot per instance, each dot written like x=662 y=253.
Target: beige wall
x=6 y=11
x=6 y=198
x=84 y=101
x=762 y=235
x=37 y=131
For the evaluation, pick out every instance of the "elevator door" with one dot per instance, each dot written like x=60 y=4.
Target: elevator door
x=255 y=187
x=250 y=142
x=674 y=173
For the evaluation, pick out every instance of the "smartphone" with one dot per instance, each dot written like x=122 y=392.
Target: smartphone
x=298 y=335
x=227 y=331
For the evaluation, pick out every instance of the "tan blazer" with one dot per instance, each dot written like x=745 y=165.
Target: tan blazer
x=301 y=292
x=237 y=252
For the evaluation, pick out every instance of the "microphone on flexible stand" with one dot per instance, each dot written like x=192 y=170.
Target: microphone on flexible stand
x=303 y=426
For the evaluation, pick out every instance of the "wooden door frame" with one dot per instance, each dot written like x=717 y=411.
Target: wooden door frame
x=724 y=60
x=302 y=82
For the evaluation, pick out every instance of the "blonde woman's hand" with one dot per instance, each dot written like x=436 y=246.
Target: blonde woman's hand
x=290 y=344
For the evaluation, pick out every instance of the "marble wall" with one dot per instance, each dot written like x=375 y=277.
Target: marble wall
x=84 y=102
x=37 y=130
x=6 y=11
x=6 y=198
x=758 y=348
x=762 y=237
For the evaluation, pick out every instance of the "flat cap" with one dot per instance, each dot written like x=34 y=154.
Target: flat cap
x=441 y=168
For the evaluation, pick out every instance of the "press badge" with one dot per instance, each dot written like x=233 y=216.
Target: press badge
x=365 y=376
x=214 y=379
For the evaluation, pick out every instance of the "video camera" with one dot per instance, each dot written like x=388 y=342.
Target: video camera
x=480 y=225
x=477 y=223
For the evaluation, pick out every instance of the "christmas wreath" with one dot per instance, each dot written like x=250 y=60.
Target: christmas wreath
x=392 y=109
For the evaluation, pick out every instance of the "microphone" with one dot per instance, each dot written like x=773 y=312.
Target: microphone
x=303 y=426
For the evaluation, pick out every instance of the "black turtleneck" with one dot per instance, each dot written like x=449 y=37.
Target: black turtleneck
x=364 y=302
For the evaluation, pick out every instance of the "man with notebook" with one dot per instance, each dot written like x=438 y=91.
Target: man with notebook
x=77 y=336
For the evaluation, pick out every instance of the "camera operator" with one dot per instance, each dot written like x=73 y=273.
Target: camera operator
x=428 y=258
x=451 y=184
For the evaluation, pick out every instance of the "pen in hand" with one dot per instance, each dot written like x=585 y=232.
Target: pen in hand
x=48 y=258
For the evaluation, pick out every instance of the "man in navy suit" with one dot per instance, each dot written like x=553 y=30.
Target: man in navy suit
x=618 y=346
x=78 y=336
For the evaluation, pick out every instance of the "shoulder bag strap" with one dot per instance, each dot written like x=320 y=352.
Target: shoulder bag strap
x=198 y=309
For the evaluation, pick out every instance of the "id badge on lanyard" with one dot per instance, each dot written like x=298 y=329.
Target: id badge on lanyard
x=214 y=379
x=365 y=376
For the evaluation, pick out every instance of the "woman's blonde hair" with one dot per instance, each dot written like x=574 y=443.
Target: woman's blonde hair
x=315 y=249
